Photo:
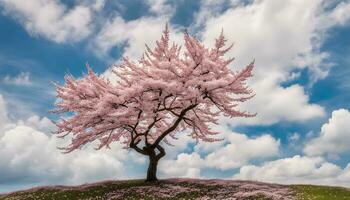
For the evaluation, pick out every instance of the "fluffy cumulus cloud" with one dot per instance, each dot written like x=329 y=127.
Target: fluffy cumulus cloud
x=331 y=141
x=51 y=19
x=314 y=170
x=281 y=44
x=270 y=33
x=132 y=35
x=185 y=165
x=233 y=152
x=29 y=155
x=334 y=136
x=160 y=7
x=241 y=149
x=274 y=103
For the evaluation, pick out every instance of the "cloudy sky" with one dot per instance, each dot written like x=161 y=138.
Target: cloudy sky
x=301 y=49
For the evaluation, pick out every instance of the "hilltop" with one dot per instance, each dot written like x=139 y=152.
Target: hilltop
x=182 y=189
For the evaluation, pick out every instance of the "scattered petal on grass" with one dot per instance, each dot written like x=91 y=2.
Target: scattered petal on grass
x=165 y=189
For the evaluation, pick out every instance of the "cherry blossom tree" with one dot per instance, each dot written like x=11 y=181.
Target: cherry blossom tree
x=166 y=92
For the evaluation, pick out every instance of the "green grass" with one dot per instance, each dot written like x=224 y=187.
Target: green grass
x=312 y=192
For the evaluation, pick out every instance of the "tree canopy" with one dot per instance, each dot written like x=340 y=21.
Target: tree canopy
x=169 y=89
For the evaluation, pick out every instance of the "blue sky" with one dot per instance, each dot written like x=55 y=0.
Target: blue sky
x=301 y=82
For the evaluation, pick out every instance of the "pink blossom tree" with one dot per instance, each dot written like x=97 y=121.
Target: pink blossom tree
x=167 y=91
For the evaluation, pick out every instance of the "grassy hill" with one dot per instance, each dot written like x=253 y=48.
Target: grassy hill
x=182 y=189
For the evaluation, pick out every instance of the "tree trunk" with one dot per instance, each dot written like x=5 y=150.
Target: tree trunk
x=152 y=169
x=153 y=159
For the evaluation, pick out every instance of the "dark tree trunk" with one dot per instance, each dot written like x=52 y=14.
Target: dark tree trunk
x=153 y=159
x=152 y=169
x=153 y=163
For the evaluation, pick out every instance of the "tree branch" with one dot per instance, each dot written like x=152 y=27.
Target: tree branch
x=173 y=127
x=161 y=150
x=141 y=151
x=134 y=144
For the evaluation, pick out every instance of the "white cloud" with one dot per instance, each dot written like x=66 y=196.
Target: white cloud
x=340 y=14
x=240 y=149
x=208 y=9
x=273 y=104
x=281 y=44
x=344 y=178
x=297 y=170
x=160 y=7
x=181 y=144
x=263 y=28
x=235 y=151
x=41 y=124
x=29 y=155
x=3 y=114
x=332 y=140
x=99 y=4
x=334 y=136
x=22 y=78
x=185 y=165
x=51 y=19
x=134 y=34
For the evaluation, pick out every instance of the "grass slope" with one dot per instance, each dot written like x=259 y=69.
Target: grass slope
x=321 y=192
x=182 y=189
